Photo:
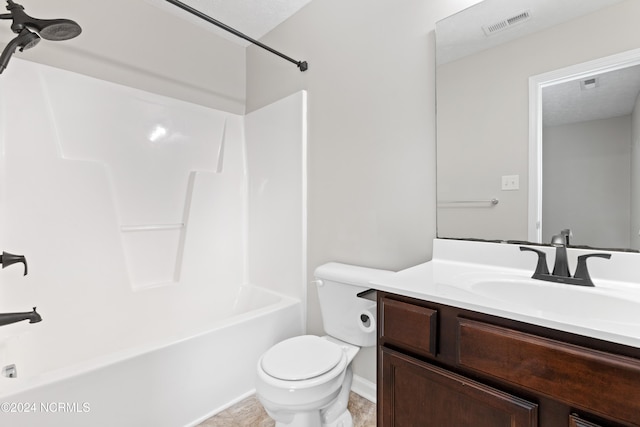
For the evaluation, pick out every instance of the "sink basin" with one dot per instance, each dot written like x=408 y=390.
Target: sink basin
x=560 y=300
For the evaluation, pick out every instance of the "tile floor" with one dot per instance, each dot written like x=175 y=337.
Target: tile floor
x=249 y=412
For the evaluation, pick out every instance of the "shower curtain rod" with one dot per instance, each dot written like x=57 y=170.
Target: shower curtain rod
x=303 y=65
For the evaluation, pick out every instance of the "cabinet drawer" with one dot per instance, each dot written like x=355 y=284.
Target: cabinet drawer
x=417 y=393
x=603 y=383
x=408 y=326
x=575 y=421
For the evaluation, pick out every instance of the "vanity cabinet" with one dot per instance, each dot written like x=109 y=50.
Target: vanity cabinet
x=439 y=366
x=420 y=391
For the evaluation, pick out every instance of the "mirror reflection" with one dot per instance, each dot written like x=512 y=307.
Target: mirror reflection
x=588 y=167
x=515 y=165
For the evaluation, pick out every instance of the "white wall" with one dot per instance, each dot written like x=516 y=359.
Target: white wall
x=483 y=117
x=587 y=182
x=110 y=219
x=371 y=128
x=277 y=191
x=129 y=205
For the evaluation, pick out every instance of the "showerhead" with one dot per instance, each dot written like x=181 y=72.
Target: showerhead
x=23 y=25
x=57 y=29
x=25 y=40
x=49 y=29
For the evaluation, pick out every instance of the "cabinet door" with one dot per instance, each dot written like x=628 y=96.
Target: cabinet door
x=415 y=393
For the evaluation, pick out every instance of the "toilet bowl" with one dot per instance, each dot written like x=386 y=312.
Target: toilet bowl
x=300 y=381
x=305 y=381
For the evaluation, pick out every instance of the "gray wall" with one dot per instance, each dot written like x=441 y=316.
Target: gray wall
x=134 y=43
x=587 y=182
x=371 y=136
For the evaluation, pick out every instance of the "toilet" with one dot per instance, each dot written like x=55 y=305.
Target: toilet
x=305 y=381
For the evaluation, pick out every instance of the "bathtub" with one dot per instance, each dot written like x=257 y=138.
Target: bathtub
x=139 y=369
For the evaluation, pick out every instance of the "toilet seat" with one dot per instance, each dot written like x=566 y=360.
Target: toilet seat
x=301 y=358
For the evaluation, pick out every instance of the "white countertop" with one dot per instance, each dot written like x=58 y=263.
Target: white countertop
x=456 y=265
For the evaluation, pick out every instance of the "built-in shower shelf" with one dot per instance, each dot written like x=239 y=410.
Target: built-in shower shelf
x=153 y=253
x=150 y=227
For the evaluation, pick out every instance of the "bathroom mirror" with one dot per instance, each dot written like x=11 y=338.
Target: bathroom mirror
x=508 y=167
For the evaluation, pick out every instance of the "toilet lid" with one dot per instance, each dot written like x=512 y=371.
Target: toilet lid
x=301 y=358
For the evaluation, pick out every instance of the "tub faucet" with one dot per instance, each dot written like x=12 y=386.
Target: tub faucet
x=6 y=259
x=31 y=316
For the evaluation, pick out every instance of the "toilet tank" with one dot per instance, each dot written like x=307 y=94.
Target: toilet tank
x=346 y=316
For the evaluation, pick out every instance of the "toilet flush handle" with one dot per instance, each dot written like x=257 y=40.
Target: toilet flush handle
x=318 y=283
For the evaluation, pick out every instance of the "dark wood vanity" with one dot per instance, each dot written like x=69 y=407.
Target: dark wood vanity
x=442 y=366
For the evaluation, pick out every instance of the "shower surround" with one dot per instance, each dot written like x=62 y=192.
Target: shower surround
x=146 y=222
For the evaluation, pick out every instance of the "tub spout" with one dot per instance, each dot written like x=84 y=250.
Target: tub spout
x=31 y=316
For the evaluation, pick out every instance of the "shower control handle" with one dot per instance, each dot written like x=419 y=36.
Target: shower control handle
x=6 y=259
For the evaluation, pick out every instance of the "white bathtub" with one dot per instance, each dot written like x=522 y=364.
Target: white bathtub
x=138 y=369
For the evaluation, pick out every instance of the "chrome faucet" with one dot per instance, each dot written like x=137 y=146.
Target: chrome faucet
x=561 y=273
x=31 y=316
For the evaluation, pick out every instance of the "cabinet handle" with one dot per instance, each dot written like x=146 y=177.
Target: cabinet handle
x=581 y=270
x=541 y=267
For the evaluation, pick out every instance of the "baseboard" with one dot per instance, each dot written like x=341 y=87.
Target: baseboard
x=222 y=408
x=364 y=388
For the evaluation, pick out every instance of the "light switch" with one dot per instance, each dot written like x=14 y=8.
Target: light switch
x=510 y=182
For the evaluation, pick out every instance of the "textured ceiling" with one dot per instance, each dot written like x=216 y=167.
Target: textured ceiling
x=614 y=96
x=255 y=18
x=462 y=34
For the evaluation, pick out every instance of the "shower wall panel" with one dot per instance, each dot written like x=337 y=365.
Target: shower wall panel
x=277 y=195
x=125 y=201
x=109 y=190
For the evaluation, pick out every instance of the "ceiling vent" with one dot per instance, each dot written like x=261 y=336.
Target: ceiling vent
x=506 y=23
x=590 y=83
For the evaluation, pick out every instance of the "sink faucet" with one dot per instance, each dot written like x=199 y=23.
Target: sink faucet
x=561 y=273
x=561 y=241
x=31 y=316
